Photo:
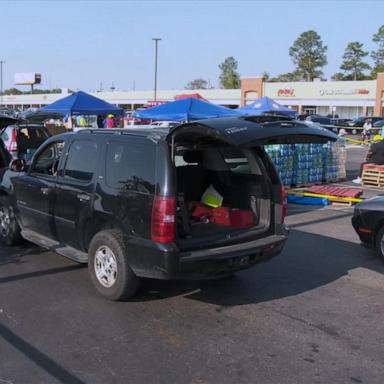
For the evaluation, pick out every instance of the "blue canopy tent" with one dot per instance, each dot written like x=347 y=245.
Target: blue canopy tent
x=81 y=103
x=266 y=105
x=185 y=110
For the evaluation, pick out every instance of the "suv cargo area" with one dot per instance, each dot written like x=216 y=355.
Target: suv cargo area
x=235 y=176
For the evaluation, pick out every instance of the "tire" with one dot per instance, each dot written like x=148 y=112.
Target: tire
x=9 y=228
x=109 y=268
x=379 y=243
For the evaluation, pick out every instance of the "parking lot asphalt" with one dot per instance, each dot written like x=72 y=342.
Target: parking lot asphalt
x=311 y=315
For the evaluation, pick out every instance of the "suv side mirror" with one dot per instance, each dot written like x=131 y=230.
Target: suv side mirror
x=18 y=165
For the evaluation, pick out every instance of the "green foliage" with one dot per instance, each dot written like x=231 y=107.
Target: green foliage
x=229 y=78
x=15 y=91
x=378 y=55
x=353 y=64
x=287 y=77
x=12 y=91
x=197 y=84
x=309 y=55
x=39 y=91
x=338 y=76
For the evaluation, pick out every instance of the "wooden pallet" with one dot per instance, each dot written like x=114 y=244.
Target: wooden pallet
x=373 y=175
x=333 y=190
x=373 y=178
x=342 y=203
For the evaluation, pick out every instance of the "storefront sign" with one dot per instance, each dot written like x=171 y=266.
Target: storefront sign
x=337 y=92
x=287 y=92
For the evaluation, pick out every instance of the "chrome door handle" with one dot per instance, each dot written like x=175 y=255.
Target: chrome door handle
x=45 y=191
x=83 y=197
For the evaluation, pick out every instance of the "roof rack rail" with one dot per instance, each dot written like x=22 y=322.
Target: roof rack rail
x=118 y=131
x=98 y=130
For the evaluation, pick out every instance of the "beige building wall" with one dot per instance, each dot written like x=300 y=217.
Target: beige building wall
x=251 y=89
x=379 y=94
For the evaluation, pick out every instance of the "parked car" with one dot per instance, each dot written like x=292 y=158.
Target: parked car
x=368 y=222
x=5 y=156
x=128 y=202
x=378 y=124
x=323 y=121
x=22 y=140
x=359 y=122
x=342 y=122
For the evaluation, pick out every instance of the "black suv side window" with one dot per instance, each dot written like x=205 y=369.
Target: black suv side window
x=48 y=160
x=81 y=160
x=131 y=166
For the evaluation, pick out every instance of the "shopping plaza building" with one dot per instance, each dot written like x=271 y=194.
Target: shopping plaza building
x=347 y=99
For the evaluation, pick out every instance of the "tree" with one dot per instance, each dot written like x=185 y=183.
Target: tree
x=338 y=76
x=197 y=84
x=265 y=76
x=41 y=91
x=378 y=55
x=12 y=91
x=229 y=78
x=15 y=91
x=353 y=64
x=309 y=55
x=287 y=77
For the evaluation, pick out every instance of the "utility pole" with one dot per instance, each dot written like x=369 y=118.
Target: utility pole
x=156 y=40
x=1 y=82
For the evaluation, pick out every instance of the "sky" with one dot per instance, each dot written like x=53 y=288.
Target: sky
x=81 y=44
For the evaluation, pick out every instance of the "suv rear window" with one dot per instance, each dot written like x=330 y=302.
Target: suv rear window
x=236 y=160
x=131 y=166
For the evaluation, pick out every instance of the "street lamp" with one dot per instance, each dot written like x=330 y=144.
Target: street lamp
x=156 y=40
x=1 y=82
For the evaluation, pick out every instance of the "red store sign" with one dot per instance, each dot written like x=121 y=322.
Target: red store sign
x=286 y=92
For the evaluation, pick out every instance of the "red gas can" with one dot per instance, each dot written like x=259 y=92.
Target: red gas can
x=241 y=219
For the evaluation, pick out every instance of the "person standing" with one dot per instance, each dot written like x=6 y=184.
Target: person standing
x=367 y=130
x=100 y=121
x=110 y=122
x=82 y=121
x=375 y=155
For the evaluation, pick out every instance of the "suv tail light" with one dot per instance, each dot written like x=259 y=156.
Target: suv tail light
x=13 y=145
x=283 y=204
x=163 y=219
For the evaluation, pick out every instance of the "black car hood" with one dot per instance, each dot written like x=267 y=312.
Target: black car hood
x=7 y=120
x=373 y=204
x=248 y=131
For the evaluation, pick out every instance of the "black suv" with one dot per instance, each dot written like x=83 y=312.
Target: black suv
x=128 y=202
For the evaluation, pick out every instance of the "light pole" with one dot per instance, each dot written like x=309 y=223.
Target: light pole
x=1 y=82
x=156 y=40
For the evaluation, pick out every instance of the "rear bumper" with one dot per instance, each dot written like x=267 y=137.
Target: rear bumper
x=168 y=263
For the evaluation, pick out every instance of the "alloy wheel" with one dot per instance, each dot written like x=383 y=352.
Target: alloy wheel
x=105 y=265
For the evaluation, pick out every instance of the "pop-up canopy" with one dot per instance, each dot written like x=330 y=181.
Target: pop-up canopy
x=185 y=110
x=266 y=105
x=81 y=103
